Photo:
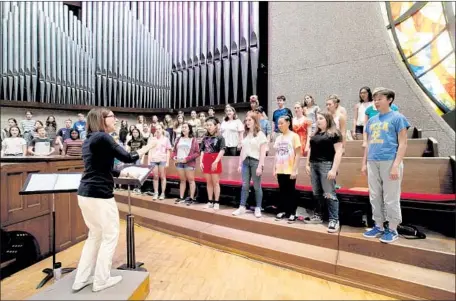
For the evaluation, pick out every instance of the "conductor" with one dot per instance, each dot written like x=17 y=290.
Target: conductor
x=96 y=200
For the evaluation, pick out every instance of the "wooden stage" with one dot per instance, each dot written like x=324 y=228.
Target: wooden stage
x=182 y=270
x=407 y=269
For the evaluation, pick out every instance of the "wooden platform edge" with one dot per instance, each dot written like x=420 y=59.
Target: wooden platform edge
x=142 y=291
x=197 y=238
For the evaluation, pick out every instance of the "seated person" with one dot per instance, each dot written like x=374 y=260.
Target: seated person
x=41 y=145
x=14 y=144
x=73 y=145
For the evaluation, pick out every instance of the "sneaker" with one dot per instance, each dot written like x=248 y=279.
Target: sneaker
x=110 y=282
x=239 y=211
x=188 y=201
x=333 y=226
x=279 y=216
x=209 y=205
x=179 y=201
x=155 y=196
x=373 y=233
x=149 y=193
x=291 y=219
x=79 y=286
x=137 y=191
x=162 y=196
x=389 y=236
x=314 y=219
x=257 y=212
x=216 y=206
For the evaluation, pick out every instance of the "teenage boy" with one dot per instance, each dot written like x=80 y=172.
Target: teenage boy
x=281 y=111
x=386 y=138
x=80 y=126
x=41 y=145
x=27 y=126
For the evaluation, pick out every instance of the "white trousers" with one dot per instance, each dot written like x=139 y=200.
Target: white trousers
x=102 y=218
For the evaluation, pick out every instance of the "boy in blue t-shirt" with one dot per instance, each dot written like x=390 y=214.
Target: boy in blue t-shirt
x=386 y=137
x=281 y=111
x=80 y=126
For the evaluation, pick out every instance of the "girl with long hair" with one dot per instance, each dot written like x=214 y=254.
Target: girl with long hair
x=286 y=167
x=177 y=130
x=123 y=132
x=159 y=159
x=212 y=151
x=51 y=127
x=5 y=132
x=232 y=129
x=302 y=126
x=14 y=144
x=184 y=154
x=311 y=111
x=251 y=162
x=340 y=120
x=359 y=116
x=324 y=159
x=73 y=145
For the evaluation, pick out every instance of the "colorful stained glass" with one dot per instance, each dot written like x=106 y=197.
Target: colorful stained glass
x=425 y=42
x=399 y=8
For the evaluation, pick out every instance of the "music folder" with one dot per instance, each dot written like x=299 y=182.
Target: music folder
x=45 y=183
x=142 y=171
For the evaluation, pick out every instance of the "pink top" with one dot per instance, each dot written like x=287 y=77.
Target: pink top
x=159 y=152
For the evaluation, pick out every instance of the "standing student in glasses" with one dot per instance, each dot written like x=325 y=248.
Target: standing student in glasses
x=286 y=166
x=96 y=200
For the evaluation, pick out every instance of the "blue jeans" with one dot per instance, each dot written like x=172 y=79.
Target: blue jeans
x=249 y=167
x=324 y=189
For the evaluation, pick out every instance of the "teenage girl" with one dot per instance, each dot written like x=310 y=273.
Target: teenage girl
x=185 y=152
x=322 y=166
x=212 y=151
x=302 y=126
x=286 y=165
x=158 y=158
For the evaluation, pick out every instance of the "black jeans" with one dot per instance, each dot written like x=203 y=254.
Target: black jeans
x=231 y=151
x=287 y=194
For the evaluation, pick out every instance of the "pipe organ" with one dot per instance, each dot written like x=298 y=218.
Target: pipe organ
x=130 y=54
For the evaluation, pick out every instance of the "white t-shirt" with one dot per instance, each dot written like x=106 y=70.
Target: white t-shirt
x=251 y=145
x=13 y=146
x=183 y=148
x=230 y=131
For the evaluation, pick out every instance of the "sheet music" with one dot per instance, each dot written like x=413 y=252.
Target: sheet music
x=42 y=148
x=40 y=182
x=67 y=181
x=134 y=172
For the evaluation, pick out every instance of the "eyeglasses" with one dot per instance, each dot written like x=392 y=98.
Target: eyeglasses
x=110 y=116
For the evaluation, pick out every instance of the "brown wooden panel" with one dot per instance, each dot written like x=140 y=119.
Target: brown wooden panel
x=421 y=175
x=39 y=227
x=16 y=208
x=353 y=148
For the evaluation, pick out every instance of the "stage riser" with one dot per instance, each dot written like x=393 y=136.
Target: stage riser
x=388 y=286
x=438 y=261
x=395 y=284
x=307 y=234
x=279 y=230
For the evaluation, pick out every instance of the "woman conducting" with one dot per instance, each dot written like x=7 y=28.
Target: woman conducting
x=96 y=200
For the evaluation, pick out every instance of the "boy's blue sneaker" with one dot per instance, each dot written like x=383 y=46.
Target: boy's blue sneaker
x=373 y=233
x=389 y=236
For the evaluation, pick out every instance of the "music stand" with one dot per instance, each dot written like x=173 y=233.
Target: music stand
x=51 y=183
x=131 y=264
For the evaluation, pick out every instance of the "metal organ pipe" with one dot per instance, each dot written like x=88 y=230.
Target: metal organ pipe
x=129 y=54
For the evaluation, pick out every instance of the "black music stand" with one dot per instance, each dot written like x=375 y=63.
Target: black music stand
x=131 y=264
x=51 y=183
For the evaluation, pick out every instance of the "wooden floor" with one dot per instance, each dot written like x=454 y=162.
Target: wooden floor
x=181 y=270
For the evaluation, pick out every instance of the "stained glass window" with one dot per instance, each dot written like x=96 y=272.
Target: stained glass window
x=419 y=30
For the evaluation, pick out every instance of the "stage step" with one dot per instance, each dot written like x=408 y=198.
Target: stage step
x=404 y=281
x=436 y=252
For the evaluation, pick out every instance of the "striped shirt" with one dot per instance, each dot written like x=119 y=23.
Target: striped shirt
x=73 y=147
